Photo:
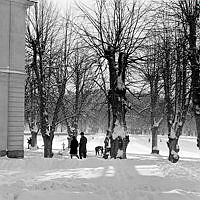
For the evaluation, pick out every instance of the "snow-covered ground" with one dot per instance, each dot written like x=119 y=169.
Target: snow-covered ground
x=142 y=176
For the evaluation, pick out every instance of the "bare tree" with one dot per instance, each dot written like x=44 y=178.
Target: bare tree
x=100 y=80
x=48 y=63
x=189 y=16
x=31 y=103
x=151 y=72
x=176 y=78
x=82 y=86
x=116 y=32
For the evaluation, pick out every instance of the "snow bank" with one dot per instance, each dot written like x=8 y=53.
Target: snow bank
x=141 y=177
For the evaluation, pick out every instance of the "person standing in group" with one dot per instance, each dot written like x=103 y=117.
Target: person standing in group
x=82 y=146
x=107 y=145
x=74 y=147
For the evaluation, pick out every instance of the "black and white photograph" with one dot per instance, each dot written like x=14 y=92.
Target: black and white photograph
x=99 y=99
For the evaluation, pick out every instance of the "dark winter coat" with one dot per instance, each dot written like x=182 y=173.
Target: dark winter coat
x=106 y=142
x=74 y=146
x=82 y=145
x=120 y=143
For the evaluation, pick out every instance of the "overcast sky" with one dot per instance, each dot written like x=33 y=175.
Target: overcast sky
x=67 y=3
x=63 y=3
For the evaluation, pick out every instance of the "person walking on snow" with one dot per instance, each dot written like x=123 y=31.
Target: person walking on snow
x=74 y=147
x=82 y=146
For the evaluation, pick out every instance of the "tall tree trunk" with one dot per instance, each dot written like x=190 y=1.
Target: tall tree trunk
x=154 y=146
x=194 y=59
x=44 y=124
x=48 y=139
x=173 y=138
x=154 y=125
x=34 y=139
x=117 y=99
x=109 y=114
x=77 y=97
x=48 y=153
x=33 y=114
x=46 y=135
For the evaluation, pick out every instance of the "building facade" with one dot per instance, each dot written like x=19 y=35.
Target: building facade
x=12 y=76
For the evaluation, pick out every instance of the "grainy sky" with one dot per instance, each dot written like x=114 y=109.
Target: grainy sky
x=63 y=3
x=66 y=3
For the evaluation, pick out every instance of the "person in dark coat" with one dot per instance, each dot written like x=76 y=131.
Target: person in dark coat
x=106 y=145
x=82 y=146
x=74 y=147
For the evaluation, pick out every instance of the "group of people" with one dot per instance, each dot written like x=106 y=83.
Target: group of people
x=115 y=147
x=82 y=147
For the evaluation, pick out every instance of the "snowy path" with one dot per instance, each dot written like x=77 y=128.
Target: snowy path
x=144 y=177
x=140 y=177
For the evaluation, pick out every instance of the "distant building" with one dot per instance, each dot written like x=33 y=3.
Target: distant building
x=12 y=76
